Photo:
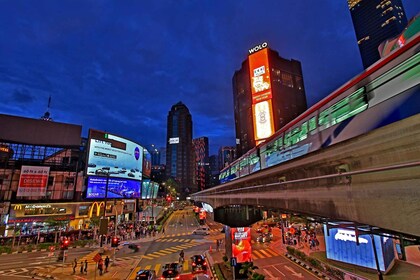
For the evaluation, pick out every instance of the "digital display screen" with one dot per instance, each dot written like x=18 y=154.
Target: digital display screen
x=259 y=72
x=114 y=156
x=241 y=244
x=117 y=188
x=341 y=246
x=263 y=119
x=147 y=164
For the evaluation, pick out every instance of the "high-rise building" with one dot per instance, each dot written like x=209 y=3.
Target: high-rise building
x=214 y=171
x=374 y=22
x=268 y=92
x=226 y=156
x=202 y=168
x=179 y=152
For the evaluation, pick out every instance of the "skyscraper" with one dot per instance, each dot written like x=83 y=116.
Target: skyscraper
x=268 y=92
x=202 y=168
x=374 y=22
x=179 y=151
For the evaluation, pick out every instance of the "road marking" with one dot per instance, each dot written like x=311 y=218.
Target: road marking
x=270 y=275
x=279 y=271
x=294 y=273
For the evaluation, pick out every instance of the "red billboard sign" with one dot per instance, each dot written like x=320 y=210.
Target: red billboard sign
x=33 y=181
x=241 y=244
x=262 y=109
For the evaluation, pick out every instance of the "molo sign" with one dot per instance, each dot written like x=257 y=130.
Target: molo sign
x=258 y=48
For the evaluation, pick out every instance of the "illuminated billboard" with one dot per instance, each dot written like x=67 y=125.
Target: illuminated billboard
x=174 y=140
x=147 y=164
x=149 y=189
x=33 y=181
x=263 y=120
x=117 y=188
x=241 y=244
x=341 y=246
x=114 y=156
x=262 y=110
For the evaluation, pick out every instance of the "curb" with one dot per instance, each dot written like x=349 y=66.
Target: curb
x=307 y=267
x=211 y=262
x=40 y=250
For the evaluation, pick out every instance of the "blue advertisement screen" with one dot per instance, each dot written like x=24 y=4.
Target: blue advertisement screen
x=117 y=188
x=341 y=246
x=145 y=189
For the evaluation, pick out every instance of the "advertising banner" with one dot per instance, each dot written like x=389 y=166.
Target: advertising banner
x=259 y=72
x=33 y=181
x=241 y=244
x=147 y=164
x=263 y=120
x=341 y=246
x=114 y=156
x=145 y=189
x=117 y=188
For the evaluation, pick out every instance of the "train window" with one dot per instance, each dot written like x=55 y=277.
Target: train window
x=343 y=109
x=312 y=123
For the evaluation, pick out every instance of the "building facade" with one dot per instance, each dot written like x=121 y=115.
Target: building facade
x=375 y=21
x=179 y=150
x=268 y=92
x=202 y=167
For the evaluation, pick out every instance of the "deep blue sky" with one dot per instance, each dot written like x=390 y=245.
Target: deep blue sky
x=119 y=66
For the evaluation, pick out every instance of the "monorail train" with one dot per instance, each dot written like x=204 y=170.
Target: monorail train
x=385 y=93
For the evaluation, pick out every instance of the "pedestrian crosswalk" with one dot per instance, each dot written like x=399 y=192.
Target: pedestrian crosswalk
x=186 y=265
x=264 y=253
x=170 y=250
x=184 y=240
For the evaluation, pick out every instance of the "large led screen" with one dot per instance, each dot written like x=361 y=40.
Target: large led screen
x=146 y=189
x=241 y=244
x=117 y=188
x=263 y=120
x=341 y=246
x=147 y=164
x=114 y=156
x=259 y=71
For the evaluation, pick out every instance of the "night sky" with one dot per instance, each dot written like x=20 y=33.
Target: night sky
x=119 y=66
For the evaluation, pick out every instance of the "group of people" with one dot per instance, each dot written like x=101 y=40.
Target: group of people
x=84 y=265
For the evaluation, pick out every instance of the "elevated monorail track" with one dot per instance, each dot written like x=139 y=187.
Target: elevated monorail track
x=373 y=179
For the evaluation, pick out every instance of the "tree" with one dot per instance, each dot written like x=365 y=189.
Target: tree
x=248 y=270
x=57 y=225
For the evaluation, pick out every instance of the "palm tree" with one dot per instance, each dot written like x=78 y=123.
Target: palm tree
x=248 y=269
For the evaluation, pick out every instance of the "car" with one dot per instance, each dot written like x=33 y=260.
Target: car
x=146 y=274
x=198 y=263
x=201 y=277
x=91 y=165
x=265 y=237
x=132 y=246
x=131 y=175
x=100 y=172
x=202 y=230
x=170 y=271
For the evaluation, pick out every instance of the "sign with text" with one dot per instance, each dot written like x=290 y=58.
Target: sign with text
x=33 y=181
x=241 y=244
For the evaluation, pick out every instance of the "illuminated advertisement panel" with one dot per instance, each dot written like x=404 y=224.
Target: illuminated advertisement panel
x=33 y=181
x=147 y=164
x=114 y=156
x=259 y=73
x=241 y=244
x=145 y=189
x=117 y=188
x=155 y=189
x=341 y=246
x=263 y=120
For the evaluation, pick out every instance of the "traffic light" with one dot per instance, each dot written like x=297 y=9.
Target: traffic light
x=115 y=242
x=65 y=245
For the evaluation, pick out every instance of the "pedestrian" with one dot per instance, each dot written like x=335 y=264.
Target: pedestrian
x=163 y=230
x=106 y=263
x=81 y=267
x=217 y=245
x=100 y=266
x=74 y=266
x=86 y=263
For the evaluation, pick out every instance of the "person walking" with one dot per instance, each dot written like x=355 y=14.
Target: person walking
x=74 y=266
x=101 y=266
x=86 y=263
x=81 y=267
x=163 y=230
x=106 y=263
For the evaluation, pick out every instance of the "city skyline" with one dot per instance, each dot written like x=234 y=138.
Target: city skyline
x=119 y=67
